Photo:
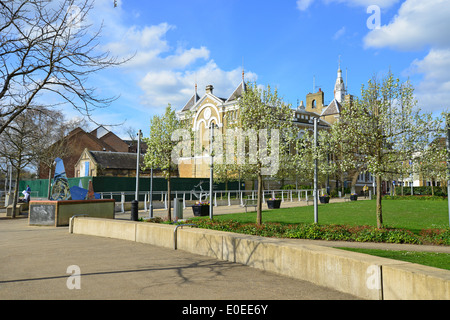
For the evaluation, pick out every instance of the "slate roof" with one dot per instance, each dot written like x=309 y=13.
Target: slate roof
x=191 y=102
x=115 y=160
x=234 y=96
x=333 y=108
x=238 y=92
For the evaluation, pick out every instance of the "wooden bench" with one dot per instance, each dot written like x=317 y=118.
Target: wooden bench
x=250 y=203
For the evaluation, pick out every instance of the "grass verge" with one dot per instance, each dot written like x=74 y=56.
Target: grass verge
x=432 y=259
x=406 y=221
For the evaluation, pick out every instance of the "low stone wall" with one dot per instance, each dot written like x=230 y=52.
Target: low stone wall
x=365 y=276
x=58 y=213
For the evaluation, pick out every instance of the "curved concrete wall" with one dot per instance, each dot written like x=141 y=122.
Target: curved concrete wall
x=365 y=276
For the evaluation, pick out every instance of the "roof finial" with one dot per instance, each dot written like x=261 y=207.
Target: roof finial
x=339 y=60
x=195 y=93
x=243 y=72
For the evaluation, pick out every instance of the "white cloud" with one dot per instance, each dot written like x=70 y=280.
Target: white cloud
x=159 y=72
x=421 y=25
x=339 y=33
x=433 y=92
x=418 y=24
x=366 y=3
x=302 y=5
x=176 y=87
x=144 y=44
x=435 y=64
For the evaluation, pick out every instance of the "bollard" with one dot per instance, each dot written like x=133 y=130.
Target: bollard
x=134 y=210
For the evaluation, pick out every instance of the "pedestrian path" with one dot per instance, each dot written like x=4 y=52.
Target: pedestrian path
x=51 y=263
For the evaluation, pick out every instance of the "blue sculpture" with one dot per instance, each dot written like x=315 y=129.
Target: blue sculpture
x=62 y=191
x=60 y=186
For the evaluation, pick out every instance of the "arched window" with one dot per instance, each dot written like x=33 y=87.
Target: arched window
x=313 y=103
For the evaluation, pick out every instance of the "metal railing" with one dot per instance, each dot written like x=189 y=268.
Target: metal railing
x=220 y=197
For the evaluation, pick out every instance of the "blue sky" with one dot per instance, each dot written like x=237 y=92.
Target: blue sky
x=279 y=43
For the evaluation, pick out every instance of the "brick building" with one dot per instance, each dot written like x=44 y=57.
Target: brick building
x=78 y=140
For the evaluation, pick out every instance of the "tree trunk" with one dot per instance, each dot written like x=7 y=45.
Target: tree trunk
x=169 y=215
x=379 y=209
x=259 y=203
x=432 y=186
x=355 y=180
x=16 y=195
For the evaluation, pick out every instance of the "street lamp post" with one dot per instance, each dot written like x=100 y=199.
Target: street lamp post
x=151 y=194
x=447 y=127
x=135 y=202
x=316 y=211
x=211 y=171
x=138 y=158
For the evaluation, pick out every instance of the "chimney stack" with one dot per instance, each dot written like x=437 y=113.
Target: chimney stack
x=209 y=89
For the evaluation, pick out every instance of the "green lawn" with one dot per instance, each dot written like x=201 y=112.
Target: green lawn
x=432 y=259
x=413 y=215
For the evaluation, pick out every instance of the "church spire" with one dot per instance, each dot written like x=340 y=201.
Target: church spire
x=339 y=87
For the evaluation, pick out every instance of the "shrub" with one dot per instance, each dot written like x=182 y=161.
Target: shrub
x=425 y=190
x=436 y=236
x=327 y=232
x=288 y=187
x=429 y=198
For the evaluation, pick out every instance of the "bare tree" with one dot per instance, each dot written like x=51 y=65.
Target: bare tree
x=20 y=143
x=47 y=48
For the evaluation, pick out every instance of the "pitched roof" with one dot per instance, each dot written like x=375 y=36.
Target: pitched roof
x=75 y=133
x=333 y=108
x=99 y=132
x=115 y=160
x=195 y=99
x=238 y=92
x=192 y=101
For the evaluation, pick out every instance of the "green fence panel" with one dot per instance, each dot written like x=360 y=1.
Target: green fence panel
x=119 y=184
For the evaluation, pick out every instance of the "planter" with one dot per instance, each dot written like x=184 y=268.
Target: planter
x=324 y=199
x=200 y=211
x=273 y=204
x=353 y=197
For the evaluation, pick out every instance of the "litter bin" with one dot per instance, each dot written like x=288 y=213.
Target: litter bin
x=178 y=208
x=134 y=210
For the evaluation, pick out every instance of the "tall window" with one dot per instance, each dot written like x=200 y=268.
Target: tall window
x=86 y=168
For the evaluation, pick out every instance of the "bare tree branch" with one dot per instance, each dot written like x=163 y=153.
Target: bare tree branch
x=47 y=48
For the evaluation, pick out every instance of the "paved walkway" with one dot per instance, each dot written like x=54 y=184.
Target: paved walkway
x=36 y=263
